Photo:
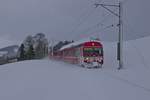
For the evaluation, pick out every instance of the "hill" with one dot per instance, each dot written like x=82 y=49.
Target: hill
x=54 y=80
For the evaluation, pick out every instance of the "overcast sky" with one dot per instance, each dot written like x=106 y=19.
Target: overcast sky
x=71 y=19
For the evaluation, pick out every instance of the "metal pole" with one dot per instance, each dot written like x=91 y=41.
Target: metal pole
x=120 y=36
x=52 y=47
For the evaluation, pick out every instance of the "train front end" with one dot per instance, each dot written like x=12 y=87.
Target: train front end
x=93 y=54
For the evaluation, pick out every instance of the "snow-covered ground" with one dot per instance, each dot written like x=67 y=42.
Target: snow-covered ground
x=54 y=80
x=4 y=42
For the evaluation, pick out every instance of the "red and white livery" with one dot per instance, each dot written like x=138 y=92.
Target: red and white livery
x=87 y=53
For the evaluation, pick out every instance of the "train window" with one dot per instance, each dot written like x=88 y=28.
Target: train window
x=92 y=51
x=77 y=52
x=69 y=52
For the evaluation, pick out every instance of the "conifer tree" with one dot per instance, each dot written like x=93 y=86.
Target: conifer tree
x=30 y=53
x=22 y=53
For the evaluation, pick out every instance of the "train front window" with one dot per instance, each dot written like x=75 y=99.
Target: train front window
x=88 y=52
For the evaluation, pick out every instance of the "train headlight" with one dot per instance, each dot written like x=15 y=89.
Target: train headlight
x=101 y=58
x=87 y=58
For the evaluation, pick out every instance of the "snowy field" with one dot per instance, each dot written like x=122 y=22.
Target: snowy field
x=54 y=80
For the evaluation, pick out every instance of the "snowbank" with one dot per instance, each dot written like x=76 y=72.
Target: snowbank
x=54 y=80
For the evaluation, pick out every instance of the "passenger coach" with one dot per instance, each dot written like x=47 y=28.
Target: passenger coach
x=87 y=53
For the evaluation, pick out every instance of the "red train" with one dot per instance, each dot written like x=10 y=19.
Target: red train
x=87 y=53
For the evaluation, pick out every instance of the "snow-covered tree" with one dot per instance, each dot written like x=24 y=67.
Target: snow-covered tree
x=39 y=44
x=28 y=42
x=30 y=53
x=22 y=55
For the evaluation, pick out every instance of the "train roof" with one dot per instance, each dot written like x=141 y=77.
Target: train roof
x=79 y=43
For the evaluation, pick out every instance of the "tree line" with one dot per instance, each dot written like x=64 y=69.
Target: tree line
x=33 y=47
x=36 y=47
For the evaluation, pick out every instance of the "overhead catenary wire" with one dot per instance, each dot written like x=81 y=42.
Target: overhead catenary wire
x=100 y=23
x=87 y=16
x=99 y=30
x=93 y=1
x=97 y=25
x=124 y=80
x=82 y=20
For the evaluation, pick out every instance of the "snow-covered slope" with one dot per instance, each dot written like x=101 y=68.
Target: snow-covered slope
x=135 y=52
x=54 y=80
x=4 y=42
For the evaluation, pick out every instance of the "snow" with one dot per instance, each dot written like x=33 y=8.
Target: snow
x=3 y=52
x=4 y=43
x=78 y=43
x=54 y=80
